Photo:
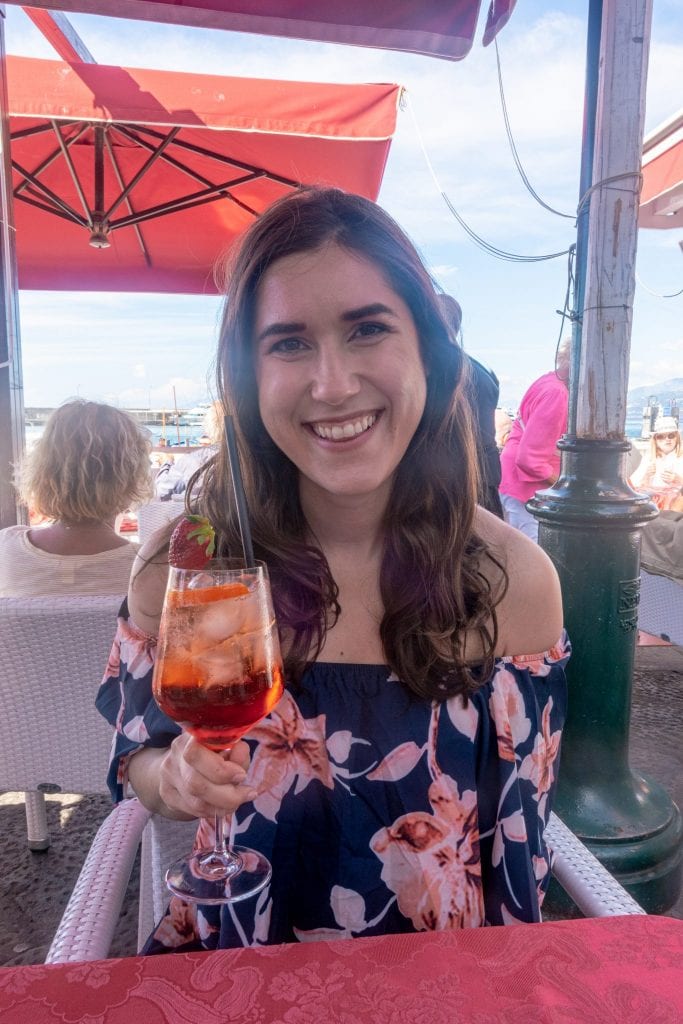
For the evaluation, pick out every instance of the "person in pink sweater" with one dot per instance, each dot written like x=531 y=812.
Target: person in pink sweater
x=530 y=460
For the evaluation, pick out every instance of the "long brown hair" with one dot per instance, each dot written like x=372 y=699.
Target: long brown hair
x=432 y=586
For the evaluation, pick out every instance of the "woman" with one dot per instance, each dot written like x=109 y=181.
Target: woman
x=404 y=780
x=90 y=464
x=660 y=473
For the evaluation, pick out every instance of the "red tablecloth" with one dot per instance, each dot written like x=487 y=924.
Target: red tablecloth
x=624 y=970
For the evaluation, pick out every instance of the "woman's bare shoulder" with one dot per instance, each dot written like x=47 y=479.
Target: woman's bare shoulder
x=147 y=585
x=530 y=613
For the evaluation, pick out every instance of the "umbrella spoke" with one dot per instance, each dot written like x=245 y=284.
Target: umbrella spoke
x=74 y=176
x=122 y=185
x=53 y=155
x=47 y=193
x=72 y=217
x=192 y=147
x=154 y=156
x=209 y=195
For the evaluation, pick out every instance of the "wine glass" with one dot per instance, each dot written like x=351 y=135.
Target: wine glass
x=218 y=672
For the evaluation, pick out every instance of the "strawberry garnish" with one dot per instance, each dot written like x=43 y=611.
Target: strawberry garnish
x=193 y=543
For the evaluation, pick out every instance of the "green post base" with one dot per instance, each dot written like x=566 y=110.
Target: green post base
x=590 y=526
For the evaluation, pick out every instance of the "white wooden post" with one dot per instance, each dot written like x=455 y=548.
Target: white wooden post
x=613 y=223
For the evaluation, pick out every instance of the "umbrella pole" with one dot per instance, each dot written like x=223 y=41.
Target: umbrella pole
x=12 y=433
x=590 y=520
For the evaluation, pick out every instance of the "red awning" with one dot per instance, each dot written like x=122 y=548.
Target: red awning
x=83 y=145
x=661 y=199
x=437 y=28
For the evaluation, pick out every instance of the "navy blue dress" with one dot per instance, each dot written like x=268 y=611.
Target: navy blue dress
x=379 y=812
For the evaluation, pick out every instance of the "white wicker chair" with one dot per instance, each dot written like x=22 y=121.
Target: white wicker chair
x=661 y=606
x=154 y=515
x=53 y=652
x=87 y=926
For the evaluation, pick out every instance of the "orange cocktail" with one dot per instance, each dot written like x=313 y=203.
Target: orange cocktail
x=218 y=671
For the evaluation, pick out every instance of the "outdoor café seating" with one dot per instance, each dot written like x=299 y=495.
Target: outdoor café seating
x=53 y=652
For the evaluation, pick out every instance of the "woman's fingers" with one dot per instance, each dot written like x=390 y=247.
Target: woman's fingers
x=200 y=782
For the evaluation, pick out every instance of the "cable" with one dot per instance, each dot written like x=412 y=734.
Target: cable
x=658 y=295
x=513 y=148
x=492 y=250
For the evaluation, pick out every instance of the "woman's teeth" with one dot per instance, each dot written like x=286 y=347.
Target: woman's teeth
x=341 y=432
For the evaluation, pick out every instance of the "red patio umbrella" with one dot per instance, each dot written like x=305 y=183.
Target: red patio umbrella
x=661 y=198
x=438 y=28
x=135 y=180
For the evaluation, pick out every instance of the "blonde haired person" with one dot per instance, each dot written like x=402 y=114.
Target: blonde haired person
x=90 y=464
x=660 y=473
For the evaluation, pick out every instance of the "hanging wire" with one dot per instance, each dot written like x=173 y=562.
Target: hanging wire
x=658 y=295
x=566 y=313
x=492 y=250
x=513 y=147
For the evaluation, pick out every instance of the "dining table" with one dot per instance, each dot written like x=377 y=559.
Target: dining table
x=609 y=970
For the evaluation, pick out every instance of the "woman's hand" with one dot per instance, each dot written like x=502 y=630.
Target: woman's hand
x=197 y=782
x=672 y=478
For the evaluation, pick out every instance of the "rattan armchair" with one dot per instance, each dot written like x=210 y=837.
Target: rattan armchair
x=53 y=652
x=87 y=926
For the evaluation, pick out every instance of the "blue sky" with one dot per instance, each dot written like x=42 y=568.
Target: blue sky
x=132 y=349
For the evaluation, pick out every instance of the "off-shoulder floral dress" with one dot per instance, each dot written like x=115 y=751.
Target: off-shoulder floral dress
x=379 y=812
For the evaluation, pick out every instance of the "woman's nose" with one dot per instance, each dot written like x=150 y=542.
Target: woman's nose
x=334 y=378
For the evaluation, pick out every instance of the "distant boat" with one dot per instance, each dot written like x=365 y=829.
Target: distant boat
x=195 y=417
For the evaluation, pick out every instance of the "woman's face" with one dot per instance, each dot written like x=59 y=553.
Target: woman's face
x=341 y=383
x=666 y=441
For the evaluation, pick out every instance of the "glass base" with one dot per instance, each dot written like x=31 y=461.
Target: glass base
x=206 y=878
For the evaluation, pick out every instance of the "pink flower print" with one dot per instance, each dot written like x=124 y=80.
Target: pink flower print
x=137 y=649
x=114 y=661
x=512 y=828
x=179 y=925
x=431 y=861
x=538 y=765
x=289 y=747
x=537 y=663
x=508 y=712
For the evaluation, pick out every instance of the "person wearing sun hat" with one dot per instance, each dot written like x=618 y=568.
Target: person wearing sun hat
x=660 y=473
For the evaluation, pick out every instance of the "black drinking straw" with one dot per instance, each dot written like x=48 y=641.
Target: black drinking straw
x=240 y=497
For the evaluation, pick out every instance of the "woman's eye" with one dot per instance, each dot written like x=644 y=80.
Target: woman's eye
x=287 y=346
x=370 y=330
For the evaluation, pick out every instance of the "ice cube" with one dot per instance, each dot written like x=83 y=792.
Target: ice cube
x=217 y=621
x=221 y=665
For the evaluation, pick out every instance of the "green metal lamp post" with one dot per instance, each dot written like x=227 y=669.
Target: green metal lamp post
x=590 y=520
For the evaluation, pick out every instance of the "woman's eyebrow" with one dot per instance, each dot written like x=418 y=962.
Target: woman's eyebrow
x=294 y=327
x=373 y=309
x=280 y=328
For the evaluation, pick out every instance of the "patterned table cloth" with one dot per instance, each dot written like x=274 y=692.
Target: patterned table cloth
x=617 y=970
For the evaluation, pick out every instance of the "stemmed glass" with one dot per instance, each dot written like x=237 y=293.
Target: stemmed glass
x=218 y=672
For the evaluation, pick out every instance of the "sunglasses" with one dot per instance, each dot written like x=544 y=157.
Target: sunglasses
x=666 y=437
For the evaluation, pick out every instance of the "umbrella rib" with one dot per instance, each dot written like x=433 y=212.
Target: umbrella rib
x=209 y=195
x=52 y=157
x=49 y=194
x=72 y=171
x=119 y=178
x=39 y=129
x=129 y=134
x=202 y=151
x=71 y=217
x=154 y=156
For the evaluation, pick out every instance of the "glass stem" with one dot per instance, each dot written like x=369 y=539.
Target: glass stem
x=221 y=845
